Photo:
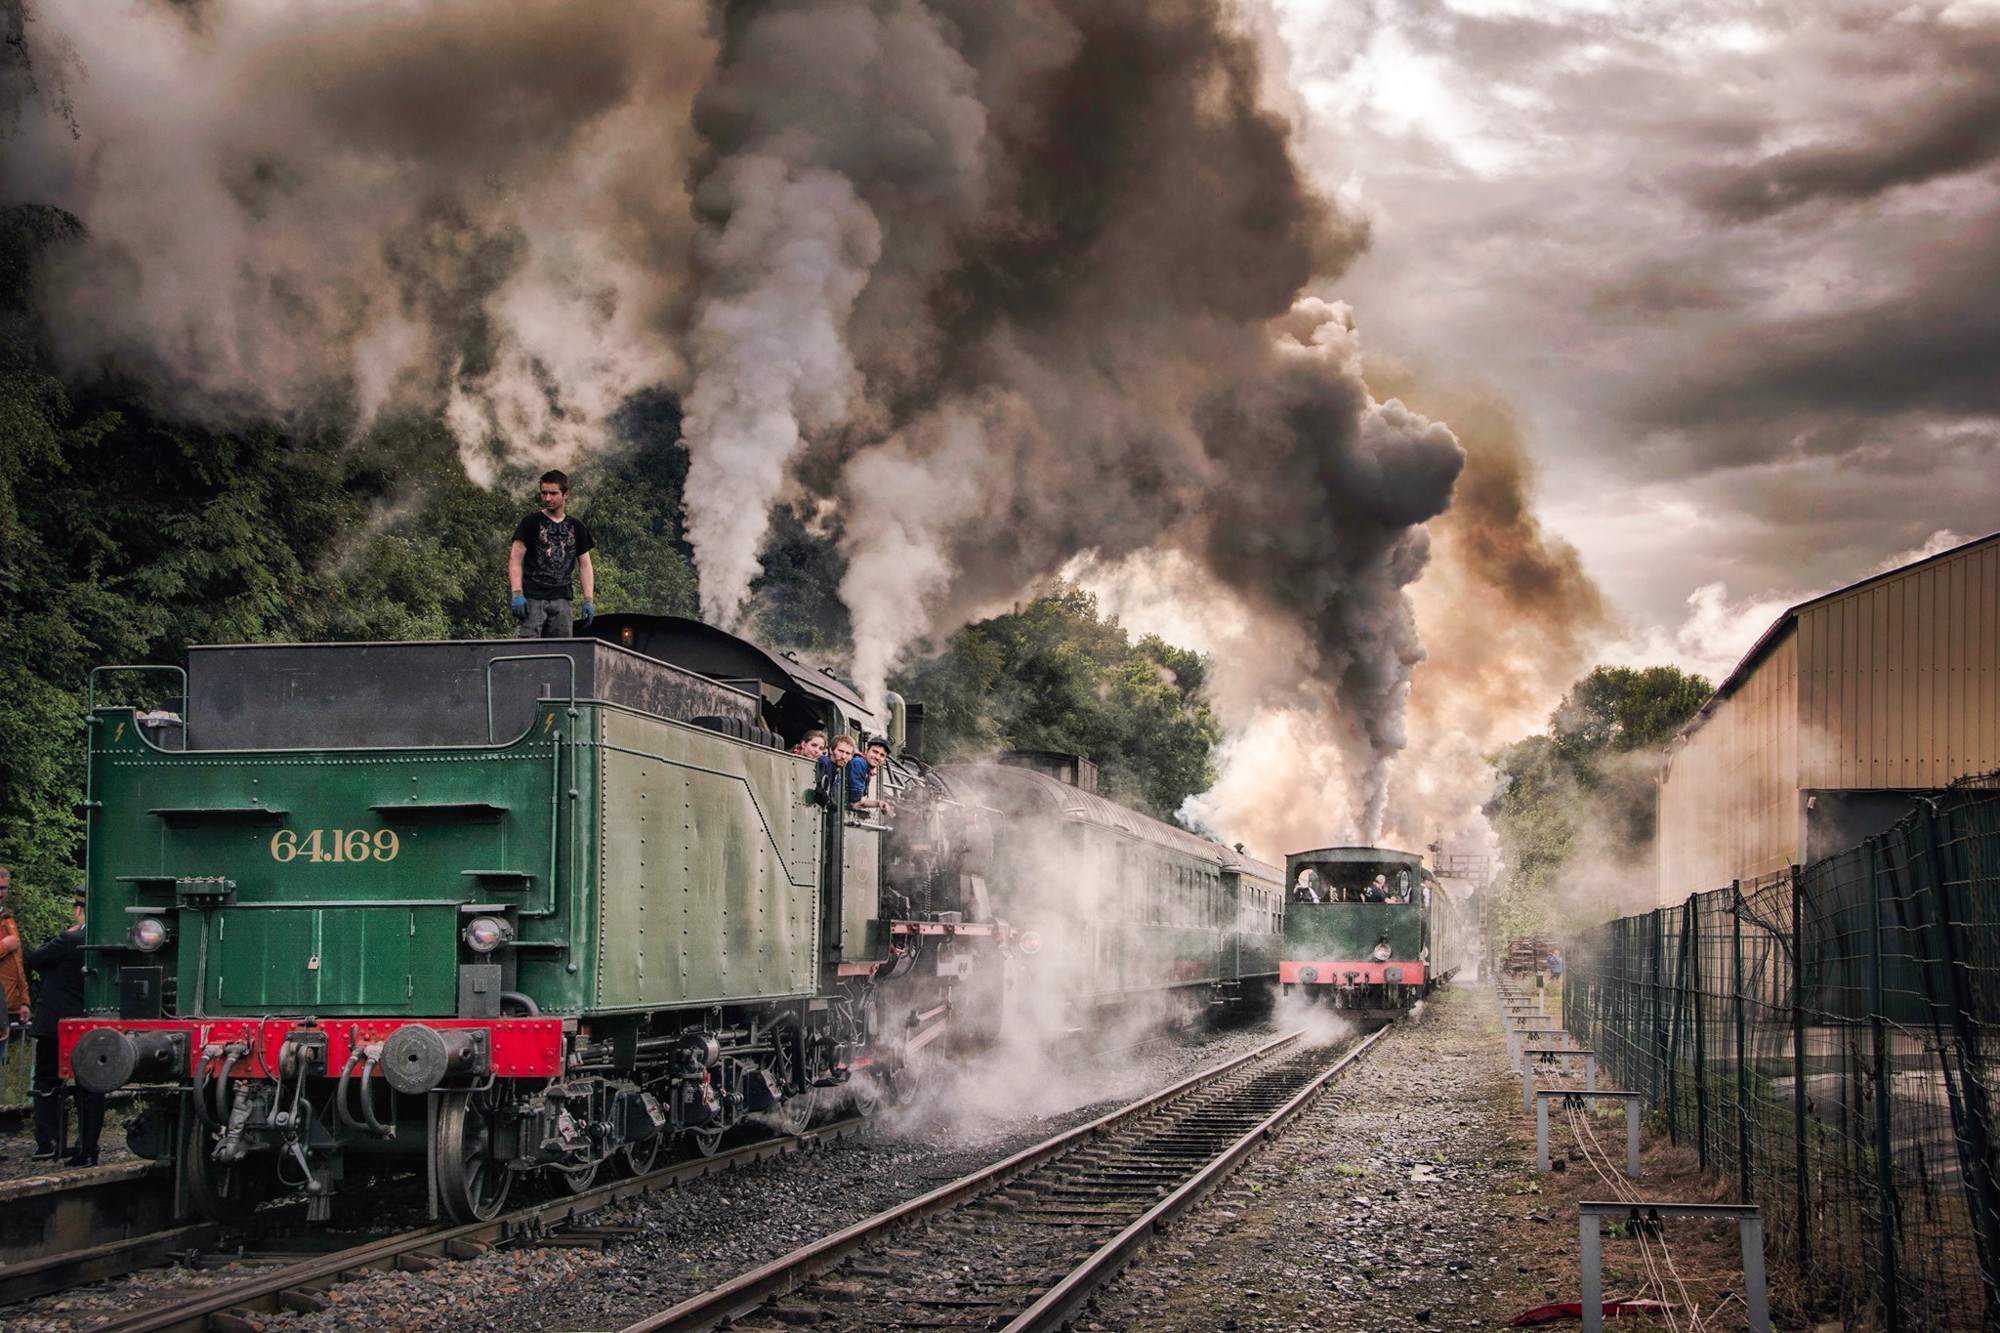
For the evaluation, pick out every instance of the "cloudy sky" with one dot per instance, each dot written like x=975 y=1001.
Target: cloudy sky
x=1735 y=266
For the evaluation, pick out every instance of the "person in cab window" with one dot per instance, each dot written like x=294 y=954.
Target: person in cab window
x=1303 y=891
x=843 y=766
x=875 y=786
x=1377 y=890
x=811 y=745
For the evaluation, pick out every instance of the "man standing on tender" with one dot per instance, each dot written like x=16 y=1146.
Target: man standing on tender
x=549 y=548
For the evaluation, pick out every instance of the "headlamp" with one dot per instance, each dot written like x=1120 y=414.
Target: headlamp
x=484 y=934
x=148 y=934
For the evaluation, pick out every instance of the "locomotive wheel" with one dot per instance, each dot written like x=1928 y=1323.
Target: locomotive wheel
x=218 y=1192
x=472 y=1182
x=864 y=1093
x=796 y=1112
x=636 y=1159
x=707 y=1142
x=906 y=1080
x=577 y=1179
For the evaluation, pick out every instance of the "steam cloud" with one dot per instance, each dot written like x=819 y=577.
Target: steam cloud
x=1510 y=620
x=438 y=207
x=1008 y=280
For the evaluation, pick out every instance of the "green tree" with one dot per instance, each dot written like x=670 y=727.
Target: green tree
x=1054 y=675
x=1586 y=785
x=631 y=499
x=1619 y=709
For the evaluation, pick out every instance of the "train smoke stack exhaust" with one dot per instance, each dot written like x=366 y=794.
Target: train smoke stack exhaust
x=990 y=283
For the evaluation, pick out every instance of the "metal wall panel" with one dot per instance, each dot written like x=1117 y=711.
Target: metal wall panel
x=1730 y=804
x=1899 y=677
x=1893 y=684
x=710 y=885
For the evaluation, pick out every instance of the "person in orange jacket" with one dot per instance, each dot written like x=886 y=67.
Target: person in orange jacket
x=13 y=977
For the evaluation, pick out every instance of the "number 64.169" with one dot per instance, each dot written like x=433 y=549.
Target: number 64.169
x=355 y=844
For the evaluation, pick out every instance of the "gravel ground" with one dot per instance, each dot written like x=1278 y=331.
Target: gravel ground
x=17 y=1148
x=1405 y=1200
x=1409 y=1200
x=711 y=1229
x=1377 y=1210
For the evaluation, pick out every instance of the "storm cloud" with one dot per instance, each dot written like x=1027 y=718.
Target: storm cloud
x=1733 y=264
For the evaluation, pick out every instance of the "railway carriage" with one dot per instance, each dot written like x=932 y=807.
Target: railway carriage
x=1370 y=928
x=496 y=907
x=1131 y=917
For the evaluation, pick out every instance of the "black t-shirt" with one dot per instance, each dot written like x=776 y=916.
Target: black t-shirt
x=552 y=551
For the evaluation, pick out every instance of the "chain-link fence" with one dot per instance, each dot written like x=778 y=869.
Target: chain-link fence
x=1826 y=1040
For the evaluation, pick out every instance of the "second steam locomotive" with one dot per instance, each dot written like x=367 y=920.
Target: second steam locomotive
x=1371 y=928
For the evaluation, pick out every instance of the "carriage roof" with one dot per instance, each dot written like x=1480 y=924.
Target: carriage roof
x=1036 y=792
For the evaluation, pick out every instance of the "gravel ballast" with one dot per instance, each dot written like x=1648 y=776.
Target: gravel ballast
x=1405 y=1199
x=1382 y=1207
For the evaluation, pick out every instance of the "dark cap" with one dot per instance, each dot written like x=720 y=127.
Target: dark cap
x=77 y=895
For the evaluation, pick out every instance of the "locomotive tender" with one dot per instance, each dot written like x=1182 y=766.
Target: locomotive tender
x=492 y=907
x=1353 y=946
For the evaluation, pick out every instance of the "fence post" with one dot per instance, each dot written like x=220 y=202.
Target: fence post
x=1743 y=1165
x=1976 y=1131
x=1674 y=1030
x=1691 y=944
x=1658 y=1082
x=1885 y=1175
x=1800 y=1074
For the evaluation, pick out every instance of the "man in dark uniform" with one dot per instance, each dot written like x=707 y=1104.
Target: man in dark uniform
x=550 y=548
x=60 y=962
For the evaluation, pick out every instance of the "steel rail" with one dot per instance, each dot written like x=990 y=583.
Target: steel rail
x=1067 y=1297
x=229 y=1307
x=746 y=1293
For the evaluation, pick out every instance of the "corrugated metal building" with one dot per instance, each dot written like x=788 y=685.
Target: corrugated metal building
x=1847 y=706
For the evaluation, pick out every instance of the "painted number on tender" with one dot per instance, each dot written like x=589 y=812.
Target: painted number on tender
x=334 y=844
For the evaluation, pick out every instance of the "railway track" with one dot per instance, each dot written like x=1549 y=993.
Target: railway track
x=301 y=1285
x=1047 y=1226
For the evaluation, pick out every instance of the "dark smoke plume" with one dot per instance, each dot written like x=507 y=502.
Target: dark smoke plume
x=1090 y=239
x=452 y=207
x=1510 y=618
x=1024 y=278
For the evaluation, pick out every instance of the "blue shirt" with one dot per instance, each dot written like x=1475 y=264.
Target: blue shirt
x=857 y=777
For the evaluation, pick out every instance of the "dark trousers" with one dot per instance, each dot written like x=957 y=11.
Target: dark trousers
x=47 y=1093
x=545 y=620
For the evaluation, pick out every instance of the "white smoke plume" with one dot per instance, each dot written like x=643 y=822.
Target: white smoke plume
x=770 y=360
x=439 y=206
x=844 y=135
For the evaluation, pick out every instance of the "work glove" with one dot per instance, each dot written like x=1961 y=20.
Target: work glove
x=520 y=605
x=589 y=614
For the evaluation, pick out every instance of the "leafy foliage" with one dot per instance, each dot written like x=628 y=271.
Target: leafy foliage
x=1579 y=800
x=1054 y=675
